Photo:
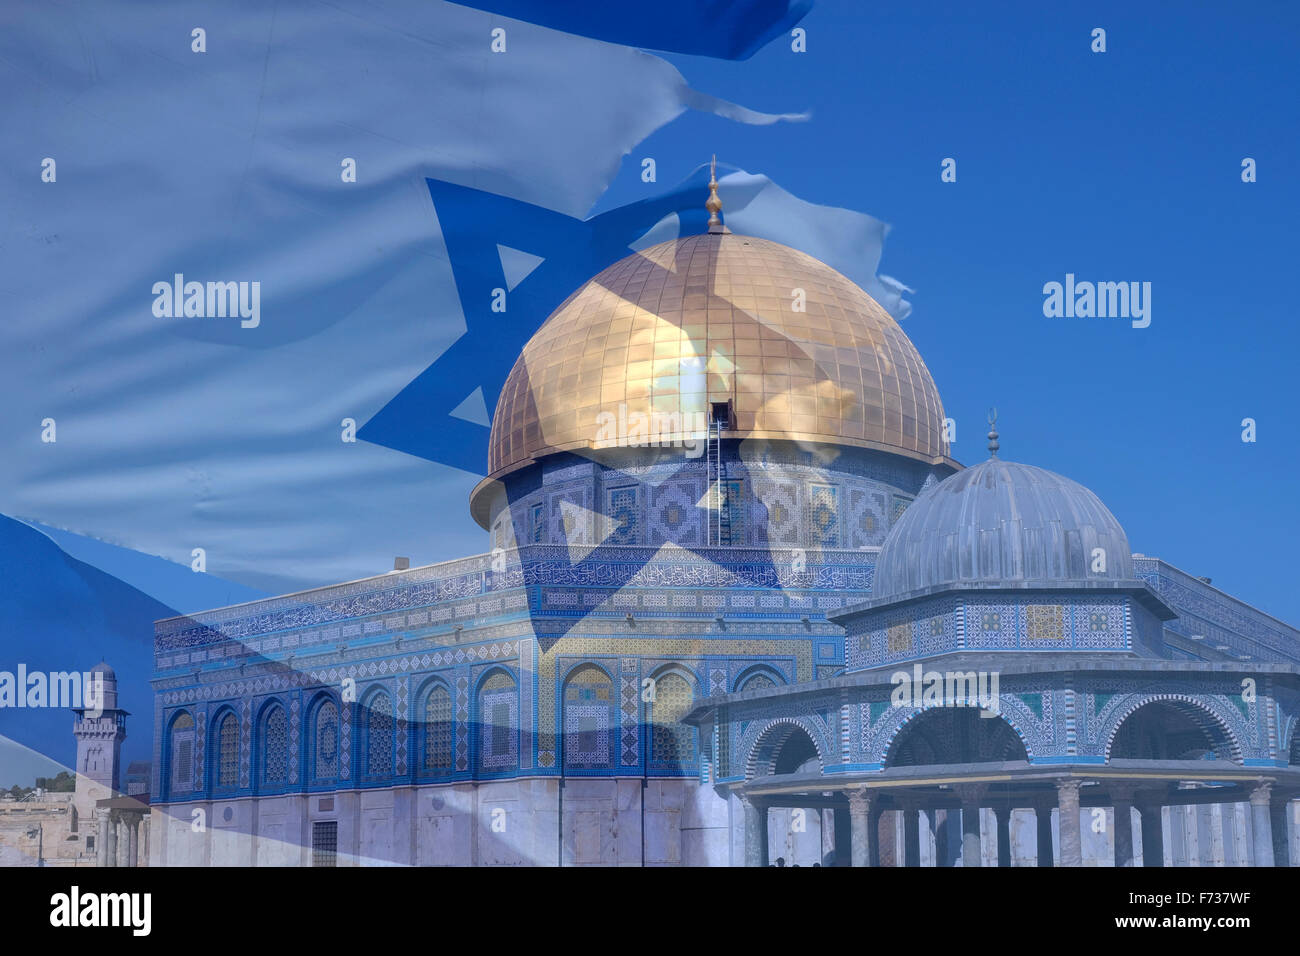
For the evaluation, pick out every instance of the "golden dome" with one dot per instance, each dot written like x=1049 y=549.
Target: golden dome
x=712 y=318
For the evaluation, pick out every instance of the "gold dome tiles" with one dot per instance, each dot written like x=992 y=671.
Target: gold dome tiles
x=710 y=318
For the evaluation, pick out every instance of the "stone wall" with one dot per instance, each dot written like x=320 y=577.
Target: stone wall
x=626 y=821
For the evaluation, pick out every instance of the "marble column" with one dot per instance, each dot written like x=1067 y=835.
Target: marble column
x=946 y=847
x=755 y=832
x=144 y=841
x=971 y=851
x=1122 y=800
x=860 y=821
x=1153 y=836
x=1043 y=818
x=911 y=835
x=102 y=857
x=1261 y=823
x=1067 y=799
x=132 y=840
x=1003 y=816
x=1279 y=811
x=884 y=830
x=110 y=840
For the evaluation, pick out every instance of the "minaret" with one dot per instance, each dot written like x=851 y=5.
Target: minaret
x=100 y=728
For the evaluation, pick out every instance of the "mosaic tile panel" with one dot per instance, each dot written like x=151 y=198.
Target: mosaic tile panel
x=245 y=741
x=823 y=519
x=295 y=732
x=588 y=701
x=991 y=626
x=623 y=515
x=462 y=722
x=1045 y=623
x=438 y=726
x=666 y=648
x=629 y=710
x=498 y=720
x=779 y=501
x=866 y=521
x=672 y=743
x=402 y=724
x=200 y=751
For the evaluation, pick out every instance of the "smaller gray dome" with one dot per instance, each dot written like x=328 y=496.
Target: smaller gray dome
x=1001 y=523
x=104 y=670
x=107 y=678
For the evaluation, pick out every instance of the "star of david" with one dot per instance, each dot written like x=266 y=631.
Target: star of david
x=540 y=257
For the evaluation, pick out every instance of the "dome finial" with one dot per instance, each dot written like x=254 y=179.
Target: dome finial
x=993 y=433
x=714 y=204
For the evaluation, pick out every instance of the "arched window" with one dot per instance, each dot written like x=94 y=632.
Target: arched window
x=325 y=741
x=437 y=730
x=672 y=743
x=379 y=736
x=228 y=752
x=275 y=747
x=498 y=716
x=1171 y=730
x=957 y=736
x=588 y=719
x=181 y=752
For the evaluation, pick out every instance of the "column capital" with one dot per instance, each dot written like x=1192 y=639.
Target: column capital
x=860 y=800
x=1261 y=795
x=101 y=813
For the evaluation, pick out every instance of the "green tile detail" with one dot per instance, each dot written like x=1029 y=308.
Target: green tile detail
x=1034 y=702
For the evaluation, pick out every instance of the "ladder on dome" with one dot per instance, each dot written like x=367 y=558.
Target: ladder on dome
x=720 y=417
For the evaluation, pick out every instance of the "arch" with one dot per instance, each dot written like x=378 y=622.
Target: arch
x=271 y=747
x=377 y=728
x=587 y=714
x=178 y=754
x=673 y=744
x=324 y=738
x=436 y=728
x=953 y=735
x=779 y=744
x=496 y=707
x=223 y=750
x=1173 y=727
x=753 y=678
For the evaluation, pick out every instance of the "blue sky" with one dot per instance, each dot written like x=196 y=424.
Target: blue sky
x=1116 y=166
x=1122 y=166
